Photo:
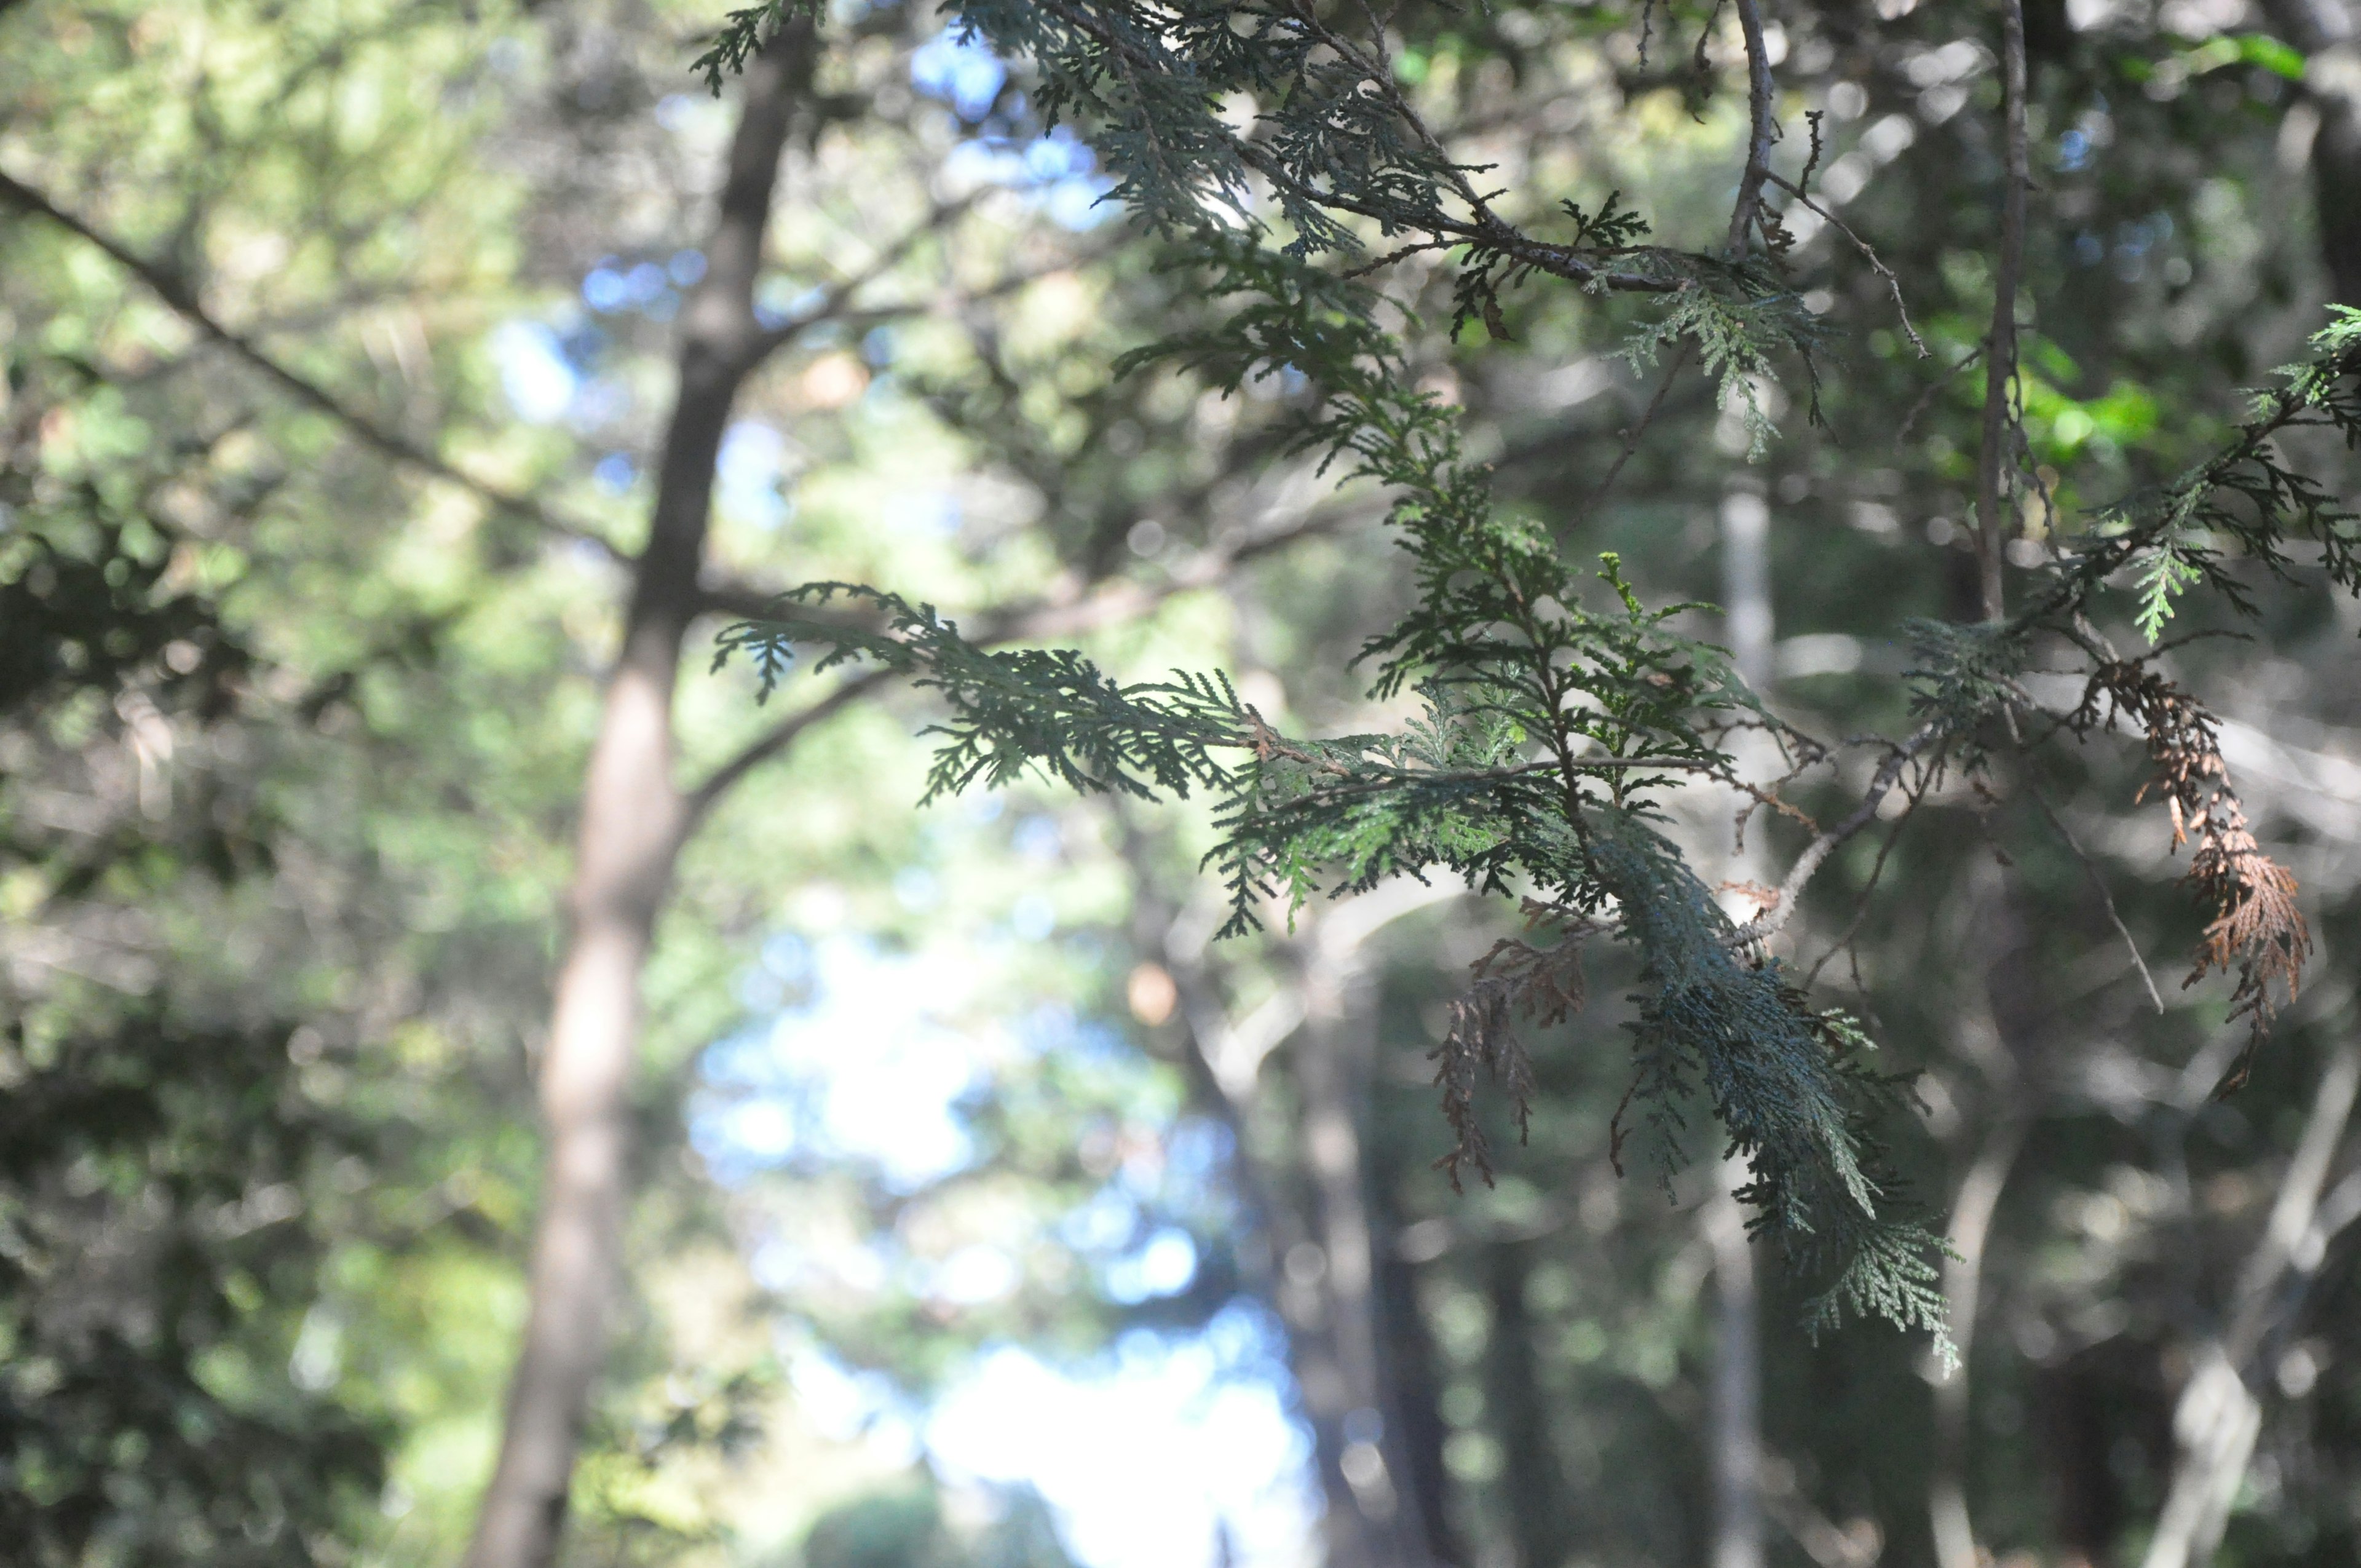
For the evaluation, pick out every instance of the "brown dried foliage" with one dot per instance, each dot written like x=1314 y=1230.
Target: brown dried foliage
x=2256 y=931
x=1515 y=980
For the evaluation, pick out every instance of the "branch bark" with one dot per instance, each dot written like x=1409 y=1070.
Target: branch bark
x=1761 y=130
x=632 y=827
x=1999 y=343
x=1816 y=853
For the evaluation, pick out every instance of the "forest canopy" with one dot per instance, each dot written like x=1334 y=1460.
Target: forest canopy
x=1105 y=783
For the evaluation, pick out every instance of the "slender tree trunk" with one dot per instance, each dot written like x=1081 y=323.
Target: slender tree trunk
x=1734 y=1412
x=1996 y=459
x=1532 y=1482
x=1412 y=1379
x=2328 y=34
x=630 y=834
x=1360 y=1447
x=2218 y=1415
x=1971 y=1230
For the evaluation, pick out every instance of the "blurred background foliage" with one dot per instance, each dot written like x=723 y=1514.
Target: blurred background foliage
x=987 y=1213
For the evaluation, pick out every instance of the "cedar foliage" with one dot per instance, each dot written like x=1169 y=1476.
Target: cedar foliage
x=1556 y=709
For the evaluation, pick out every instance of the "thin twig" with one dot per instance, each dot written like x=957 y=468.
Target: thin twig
x=1867 y=254
x=1631 y=436
x=2106 y=897
x=1860 y=910
x=1936 y=385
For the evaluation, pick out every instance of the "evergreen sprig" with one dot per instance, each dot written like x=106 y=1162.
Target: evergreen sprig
x=2246 y=502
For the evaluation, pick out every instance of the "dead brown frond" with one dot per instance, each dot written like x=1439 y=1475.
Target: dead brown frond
x=1515 y=980
x=2256 y=931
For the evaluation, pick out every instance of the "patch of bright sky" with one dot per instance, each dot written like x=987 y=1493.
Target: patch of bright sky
x=865 y=1069
x=1147 y=1455
x=539 y=380
x=1146 y=1458
x=746 y=477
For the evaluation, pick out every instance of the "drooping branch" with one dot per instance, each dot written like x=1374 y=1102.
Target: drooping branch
x=1106 y=604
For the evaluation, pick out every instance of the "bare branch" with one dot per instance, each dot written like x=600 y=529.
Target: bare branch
x=178 y=293
x=1999 y=343
x=1918 y=409
x=835 y=302
x=1761 y=130
x=1867 y=254
x=1631 y=437
x=1816 y=852
x=2090 y=869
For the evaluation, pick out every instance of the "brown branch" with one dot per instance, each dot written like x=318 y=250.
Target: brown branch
x=1999 y=343
x=1761 y=130
x=1816 y=852
x=178 y=293
x=1867 y=254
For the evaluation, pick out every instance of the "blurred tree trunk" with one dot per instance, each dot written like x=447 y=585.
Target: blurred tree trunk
x=1532 y=1482
x=1415 y=1386
x=633 y=822
x=1374 y=1515
x=1734 y=1416
x=2219 y=1414
x=2326 y=32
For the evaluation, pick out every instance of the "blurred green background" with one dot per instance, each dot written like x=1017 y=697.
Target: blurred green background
x=985 y=1212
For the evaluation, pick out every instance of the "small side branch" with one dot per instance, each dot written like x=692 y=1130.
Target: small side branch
x=2106 y=897
x=1867 y=254
x=1633 y=436
x=1079 y=613
x=1815 y=854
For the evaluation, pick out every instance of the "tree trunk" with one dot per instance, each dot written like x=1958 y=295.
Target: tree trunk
x=1734 y=1411
x=1532 y=1483
x=2219 y=1415
x=1372 y=1519
x=2326 y=32
x=630 y=834
x=1413 y=1380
